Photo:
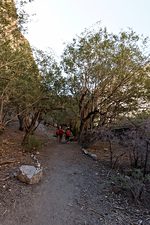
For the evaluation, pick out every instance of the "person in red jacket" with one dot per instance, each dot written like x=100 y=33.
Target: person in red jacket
x=61 y=132
x=67 y=135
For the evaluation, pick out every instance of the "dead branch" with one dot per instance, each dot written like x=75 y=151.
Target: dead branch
x=7 y=162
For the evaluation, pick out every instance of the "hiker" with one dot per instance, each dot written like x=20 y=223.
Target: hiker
x=67 y=135
x=60 y=134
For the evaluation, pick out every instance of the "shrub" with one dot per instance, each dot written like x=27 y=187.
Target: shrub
x=133 y=184
x=33 y=143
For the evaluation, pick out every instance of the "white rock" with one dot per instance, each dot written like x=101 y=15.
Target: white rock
x=85 y=151
x=94 y=156
x=38 y=165
x=29 y=174
x=140 y=222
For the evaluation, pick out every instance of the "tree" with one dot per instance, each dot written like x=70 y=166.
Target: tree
x=22 y=16
x=20 y=86
x=31 y=87
x=52 y=81
x=106 y=75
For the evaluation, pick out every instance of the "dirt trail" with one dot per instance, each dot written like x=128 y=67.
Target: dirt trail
x=73 y=192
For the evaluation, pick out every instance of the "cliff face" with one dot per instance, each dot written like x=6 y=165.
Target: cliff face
x=9 y=30
x=19 y=75
x=12 y=41
x=14 y=46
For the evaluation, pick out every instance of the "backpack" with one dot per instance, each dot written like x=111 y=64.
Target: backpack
x=68 y=133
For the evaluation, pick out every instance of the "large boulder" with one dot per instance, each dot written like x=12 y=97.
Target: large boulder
x=29 y=174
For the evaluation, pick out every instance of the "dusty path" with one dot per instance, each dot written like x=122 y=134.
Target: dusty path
x=73 y=192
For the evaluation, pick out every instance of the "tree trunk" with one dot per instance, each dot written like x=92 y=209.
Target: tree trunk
x=26 y=137
x=21 y=123
x=30 y=128
x=82 y=124
x=146 y=158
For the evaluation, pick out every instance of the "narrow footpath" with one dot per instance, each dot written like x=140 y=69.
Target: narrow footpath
x=73 y=191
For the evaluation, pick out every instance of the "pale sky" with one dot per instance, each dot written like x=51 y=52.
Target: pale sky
x=59 y=21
